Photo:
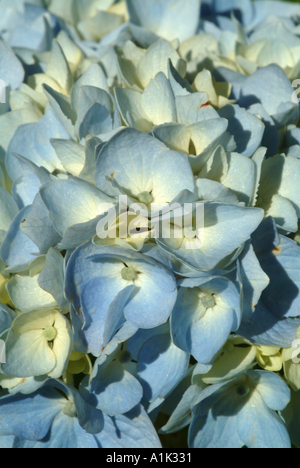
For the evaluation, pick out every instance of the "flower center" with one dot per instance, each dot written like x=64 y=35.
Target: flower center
x=70 y=410
x=50 y=333
x=242 y=390
x=208 y=301
x=128 y=274
x=145 y=198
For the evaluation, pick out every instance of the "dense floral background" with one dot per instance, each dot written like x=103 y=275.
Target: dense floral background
x=149 y=224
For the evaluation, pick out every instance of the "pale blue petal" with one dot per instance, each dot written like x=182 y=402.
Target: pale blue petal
x=254 y=280
x=273 y=390
x=51 y=278
x=102 y=319
x=39 y=228
x=116 y=390
x=267 y=329
x=131 y=430
x=71 y=202
x=268 y=86
x=17 y=248
x=11 y=69
x=246 y=129
x=161 y=365
x=170 y=19
x=30 y=417
x=139 y=163
x=259 y=427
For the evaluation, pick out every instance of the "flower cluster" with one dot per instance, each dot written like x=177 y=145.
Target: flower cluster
x=149 y=223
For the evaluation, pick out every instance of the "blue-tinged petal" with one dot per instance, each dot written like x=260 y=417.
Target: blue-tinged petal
x=25 y=189
x=181 y=417
x=109 y=353
x=283 y=212
x=244 y=8
x=30 y=417
x=26 y=386
x=217 y=242
x=102 y=319
x=58 y=68
x=223 y=413
x=241 y=177
x=258 y=159
x=51 y=278
x=259 y=427
x=89 y=417
x=10 y=122
x=78 y=234
x=131 y=430
x=154 y=298
x=254 y=280
x=274 y=391
x=268 y=86
x=267 y=329
x=204 y=317
x=270 y=138
x=193 y=108
x=211 y=190
x=139 y=163
x=90 y=164
x=29 y=168
x=158 y=101
x=81 y=270
x=266 y=237
x=39 y=228
x=206 y=136
x=62 y=109
x=94 y=76
x=95 y=112
x=282 y=265
x=108 y=264
x=131 y=109
x=174 y=135
x=17 y=248
x=26 y=294
x=70 y=154
x=284 y=182
x=209 y=431
x=11 y=69
x=116 y=390
x=179 y=86
x=230 y=76
x=70 y=202
x=171 y=19
x=138 y=340
x=6 y=317
x=77 y=324
x=7 y=442
x=65 y=433
x=33 y=142
x=96 y=121
x=8 y=210
x=155 y=60
x=246 y=129
x=161 y=365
